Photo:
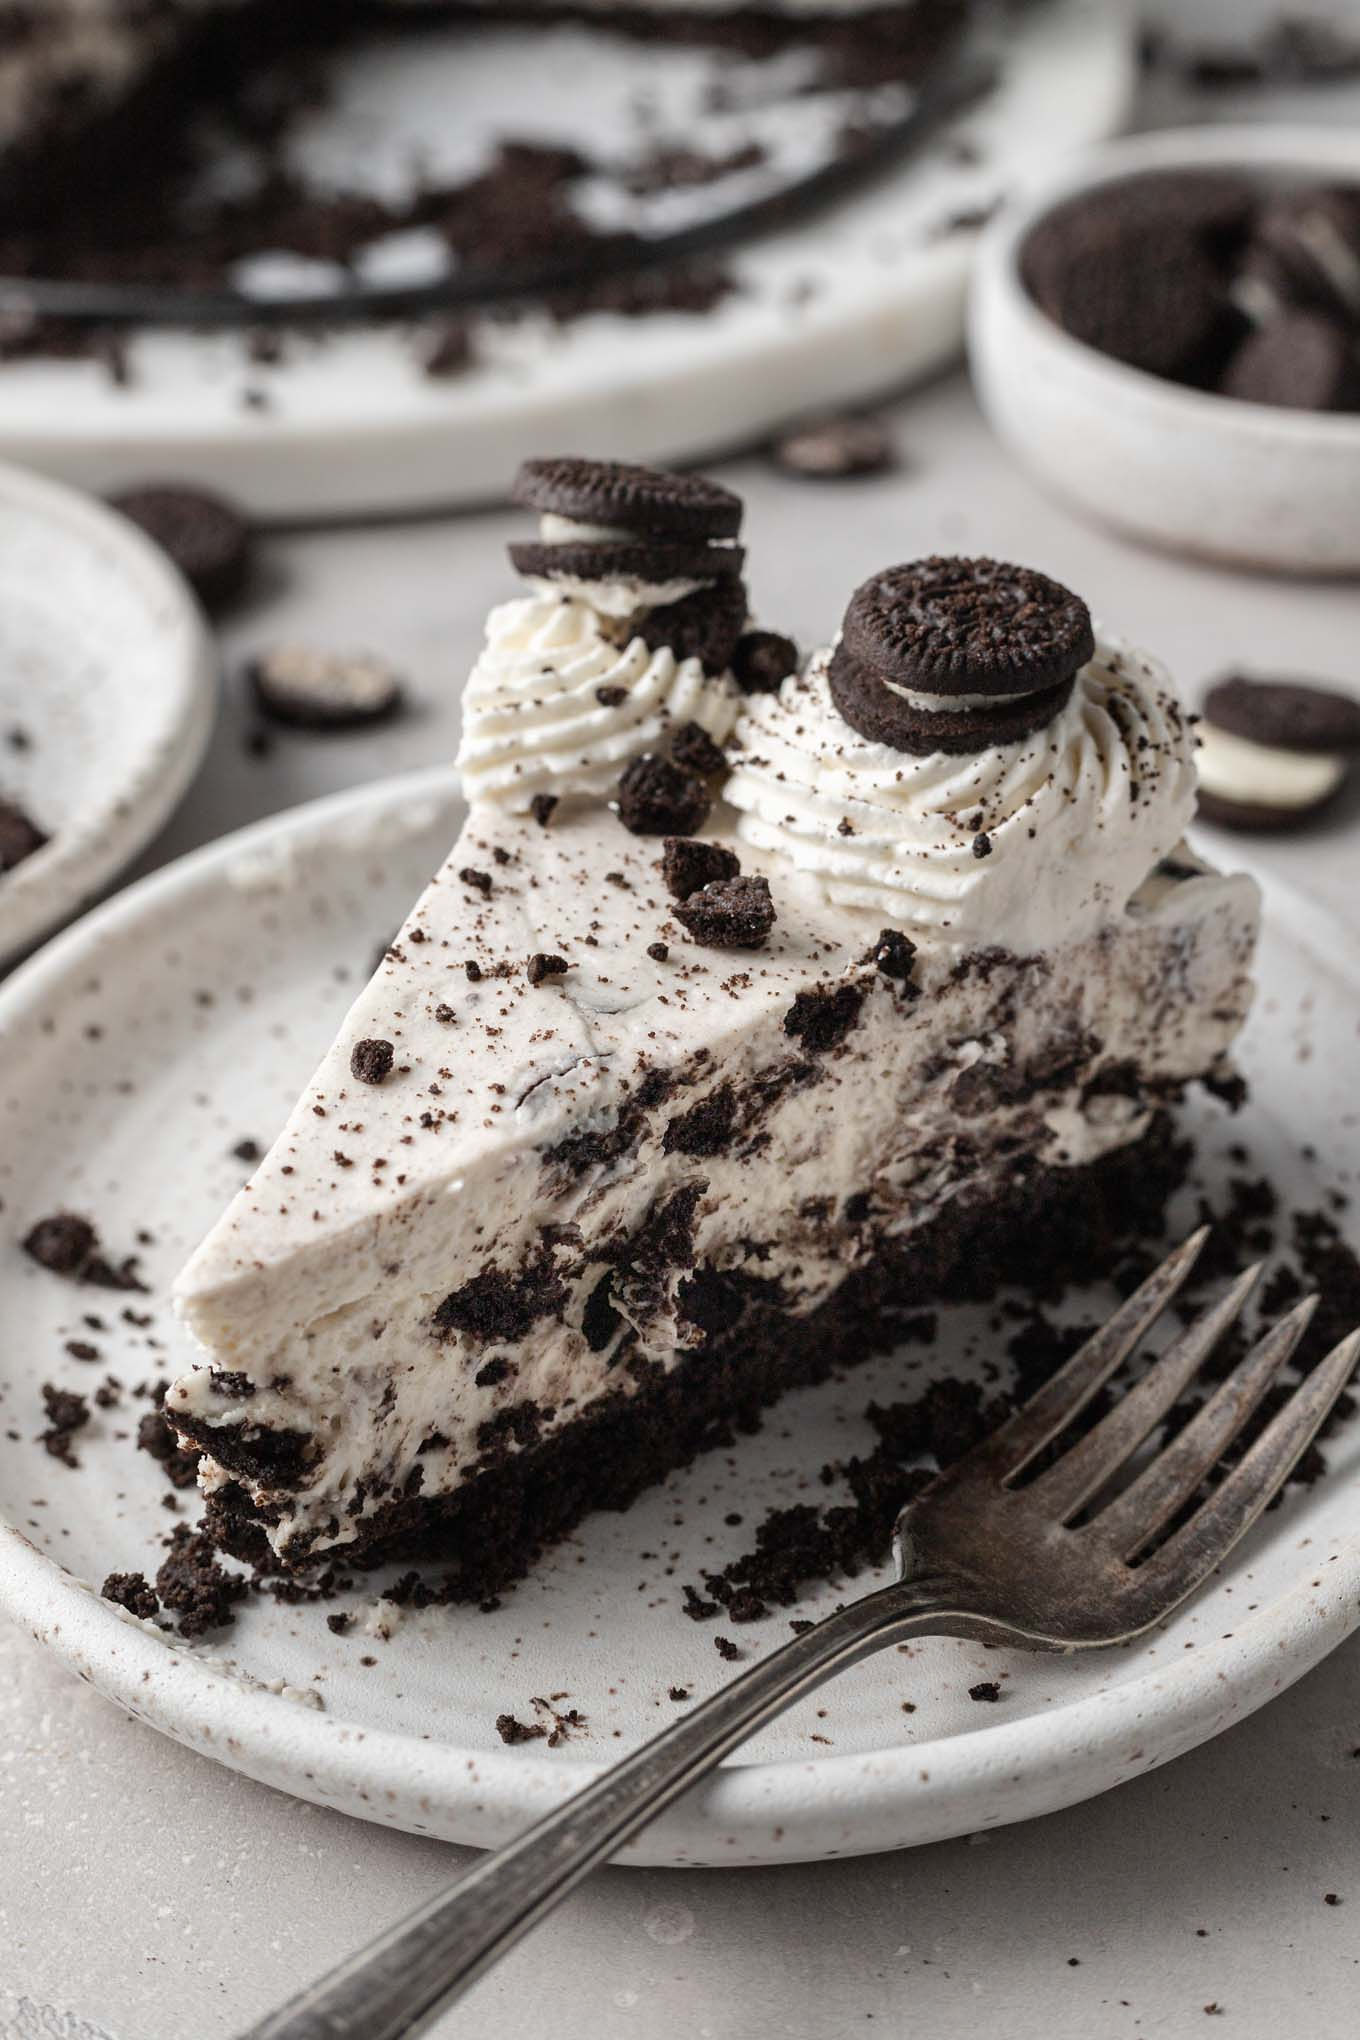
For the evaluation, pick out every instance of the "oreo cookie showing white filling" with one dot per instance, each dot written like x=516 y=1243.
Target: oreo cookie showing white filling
x=309 y=689
x=958 y=655
x=1273 y=753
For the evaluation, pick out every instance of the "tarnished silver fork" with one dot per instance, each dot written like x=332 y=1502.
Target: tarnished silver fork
x=1043 y=1563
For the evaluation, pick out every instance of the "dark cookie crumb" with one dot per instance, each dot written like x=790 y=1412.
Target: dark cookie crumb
x=448 y=351
x=985 y=1689
x=232 y=1384
x=340 y=1623
x=157 y=1436
x=247 y=1151
x=20 y=835
x=658 y=798
x=611 y=697
x=731 y=913
x=822 y=1018
x=541 y=808
x=66 y=1412
x=763 y=660
x=687 y=864
x=542 y=965
x=658 y=952
x=371 y=1061
x=982 y=844
x=69 y=1245
x=678 y=1693
x=133 y=1591
x=894 y=955
x=480 y=881
x=512 y=1731
x=726 y=1649
x=472 y=970
x=195 y=1587
x=694 y=750
x=64 y=1243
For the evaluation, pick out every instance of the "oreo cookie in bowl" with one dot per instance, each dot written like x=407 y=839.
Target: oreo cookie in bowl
x=1168 y=333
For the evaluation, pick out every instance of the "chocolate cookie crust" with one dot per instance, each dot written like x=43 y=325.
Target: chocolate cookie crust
x=968 y=626
x=634 y=498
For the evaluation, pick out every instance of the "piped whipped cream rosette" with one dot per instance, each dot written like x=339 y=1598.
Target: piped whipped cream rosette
x=969 y=761
x=637 y=608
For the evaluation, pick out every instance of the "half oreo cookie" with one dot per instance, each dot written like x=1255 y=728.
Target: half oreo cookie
x=649 y=560
x=617 y=496
x=958 y=654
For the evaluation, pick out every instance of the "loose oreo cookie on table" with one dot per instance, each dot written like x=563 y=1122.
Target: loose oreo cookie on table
x=1274 y=753
x=958 y=655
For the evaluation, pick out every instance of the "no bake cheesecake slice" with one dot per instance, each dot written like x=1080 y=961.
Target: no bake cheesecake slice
x=735 y=1027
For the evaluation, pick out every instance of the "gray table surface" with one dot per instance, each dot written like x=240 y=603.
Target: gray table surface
x=147 y=1895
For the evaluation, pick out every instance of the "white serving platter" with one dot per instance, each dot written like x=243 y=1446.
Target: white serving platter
x=108 y=690
x=135 y=1053
x=865 y=298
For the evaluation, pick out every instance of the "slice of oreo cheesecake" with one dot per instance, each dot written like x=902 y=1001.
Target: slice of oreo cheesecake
x=737 y=1025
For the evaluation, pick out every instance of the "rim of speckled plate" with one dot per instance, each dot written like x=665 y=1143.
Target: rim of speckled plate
x=750 y=1813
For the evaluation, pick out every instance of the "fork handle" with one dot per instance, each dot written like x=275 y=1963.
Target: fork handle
x=397 y=1985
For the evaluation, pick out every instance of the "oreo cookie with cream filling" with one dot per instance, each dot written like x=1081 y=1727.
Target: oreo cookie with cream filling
x=957 y=655
x=613 y=496
x=1273 y=753
x=651 y=561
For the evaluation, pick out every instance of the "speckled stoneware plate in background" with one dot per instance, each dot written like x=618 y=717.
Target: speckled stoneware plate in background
x=862 y=298
x=107 y=696
x=180 y=1020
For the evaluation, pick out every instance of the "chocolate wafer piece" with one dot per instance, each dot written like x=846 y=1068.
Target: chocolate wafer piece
x=617 y=496
x=641 y=559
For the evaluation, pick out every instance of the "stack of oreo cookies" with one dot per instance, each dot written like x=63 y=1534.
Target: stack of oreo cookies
x=647 y=533
x=958 y=655
x=1204 y=278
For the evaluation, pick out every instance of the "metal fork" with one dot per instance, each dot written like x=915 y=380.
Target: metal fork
x=984 y=1553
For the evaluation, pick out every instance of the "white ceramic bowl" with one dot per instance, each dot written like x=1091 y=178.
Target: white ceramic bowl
x=1252 y=485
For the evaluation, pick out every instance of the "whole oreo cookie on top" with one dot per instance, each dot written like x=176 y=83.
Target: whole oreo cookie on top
x=619 y=496
x=958 y=654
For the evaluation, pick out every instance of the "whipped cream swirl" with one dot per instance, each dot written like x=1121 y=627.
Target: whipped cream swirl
x=1025 y=844
x=556 y=704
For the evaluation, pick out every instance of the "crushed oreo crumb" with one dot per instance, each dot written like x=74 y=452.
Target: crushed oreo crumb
x=541 y=808
x=659 y=798
x=763 y=660
x=133 y=1591
x=542 y=965
x=731 y=913
x=687 y=864
x=371 y=1061
x=694 y=750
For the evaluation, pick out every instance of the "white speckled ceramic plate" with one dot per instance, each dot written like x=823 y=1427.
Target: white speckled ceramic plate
x=861 y=299
x=141 y=1047
x=107 y=696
